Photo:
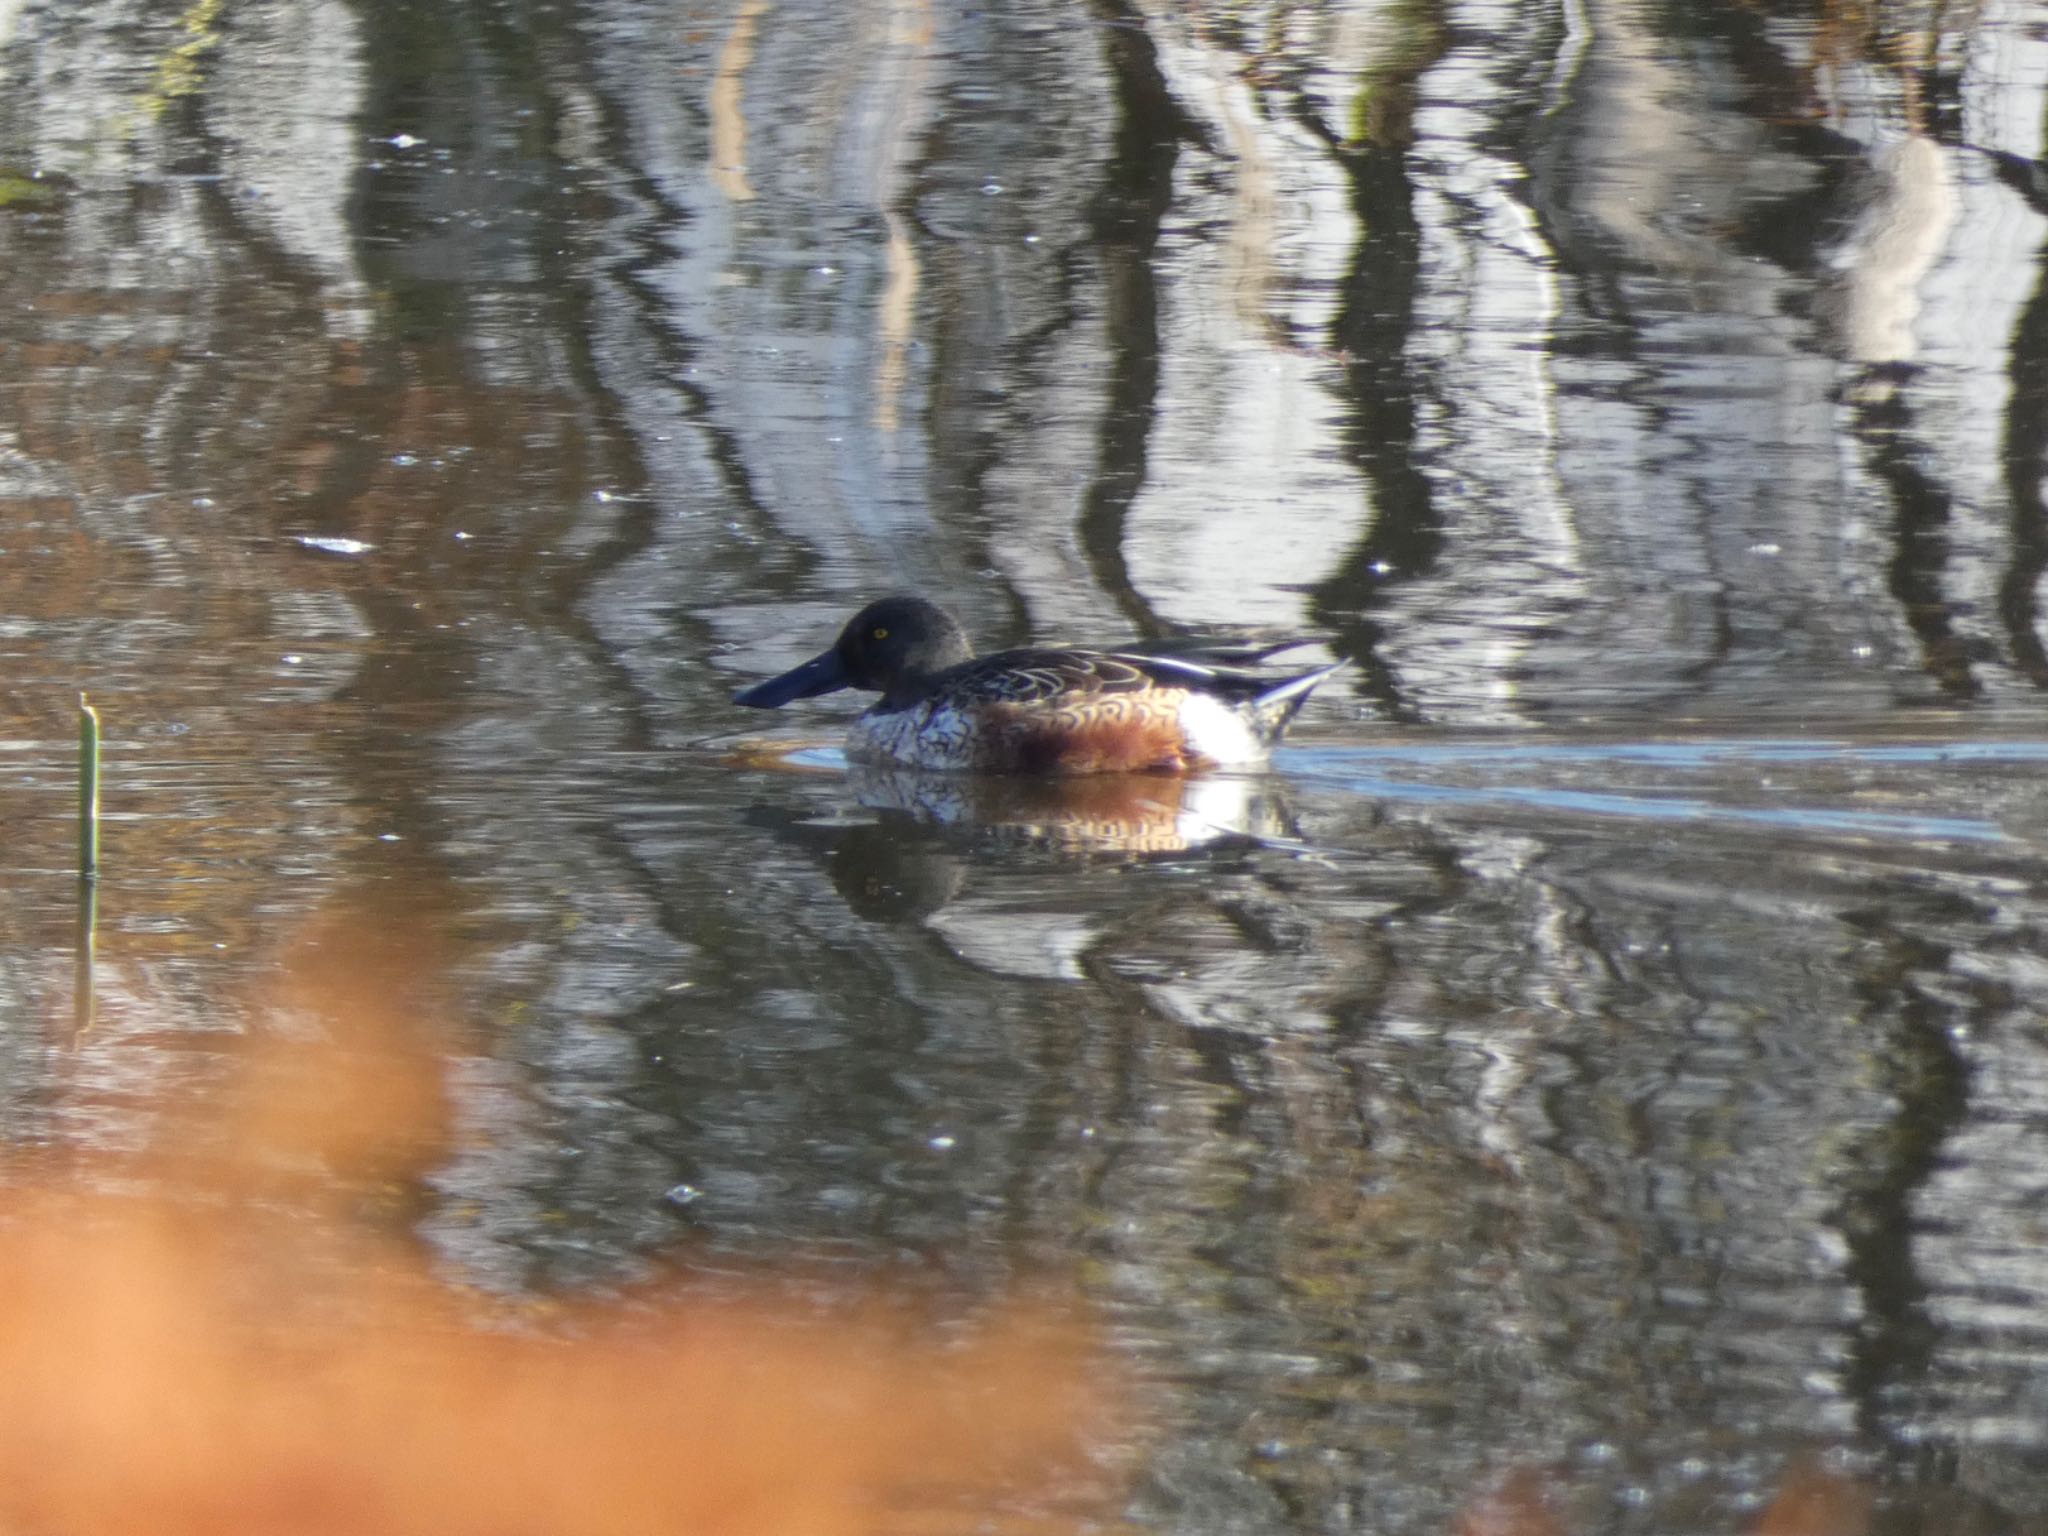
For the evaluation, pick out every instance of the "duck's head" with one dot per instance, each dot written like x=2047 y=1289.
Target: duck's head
x=887 y=643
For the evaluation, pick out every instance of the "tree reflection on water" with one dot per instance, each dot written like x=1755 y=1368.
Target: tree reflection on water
x=416 y=420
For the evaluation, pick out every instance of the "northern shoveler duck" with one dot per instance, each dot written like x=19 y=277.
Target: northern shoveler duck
x=1043 y=711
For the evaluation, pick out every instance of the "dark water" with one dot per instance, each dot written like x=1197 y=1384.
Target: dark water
x=1612 y=1037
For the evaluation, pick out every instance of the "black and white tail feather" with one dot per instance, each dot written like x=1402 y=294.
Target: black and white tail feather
x=1267 y=703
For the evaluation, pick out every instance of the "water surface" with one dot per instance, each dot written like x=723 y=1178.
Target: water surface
x=1608 y=1041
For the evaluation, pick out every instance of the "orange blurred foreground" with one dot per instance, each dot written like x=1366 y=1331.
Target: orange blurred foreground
x=240 y=1359
x=153 y=1378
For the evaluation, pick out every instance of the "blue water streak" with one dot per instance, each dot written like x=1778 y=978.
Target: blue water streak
x=1361 y=770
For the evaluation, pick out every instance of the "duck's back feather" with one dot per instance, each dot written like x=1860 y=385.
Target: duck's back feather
x=1038 y=675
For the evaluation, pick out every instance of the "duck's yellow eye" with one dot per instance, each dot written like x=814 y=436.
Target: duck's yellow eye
x=880 y=633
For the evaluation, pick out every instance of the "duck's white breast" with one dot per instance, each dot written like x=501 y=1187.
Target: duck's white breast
x=920 y=737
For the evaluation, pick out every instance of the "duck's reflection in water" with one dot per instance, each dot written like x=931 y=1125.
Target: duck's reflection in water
x=927 y=831
x=1109 y=814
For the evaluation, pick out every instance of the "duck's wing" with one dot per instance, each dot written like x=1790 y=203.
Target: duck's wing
x=1257 y=688
x=1041 y=675
x=1239 y=650
x=1035 y=676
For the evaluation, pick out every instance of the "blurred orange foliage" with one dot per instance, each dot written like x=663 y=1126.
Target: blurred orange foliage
x=235 y=1352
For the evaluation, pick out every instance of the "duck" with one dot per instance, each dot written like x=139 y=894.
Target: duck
x=1045 y=710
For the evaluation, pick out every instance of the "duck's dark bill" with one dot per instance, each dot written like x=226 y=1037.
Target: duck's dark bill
x=821 y=674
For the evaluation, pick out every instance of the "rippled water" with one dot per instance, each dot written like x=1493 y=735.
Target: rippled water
x=1610 y=1039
